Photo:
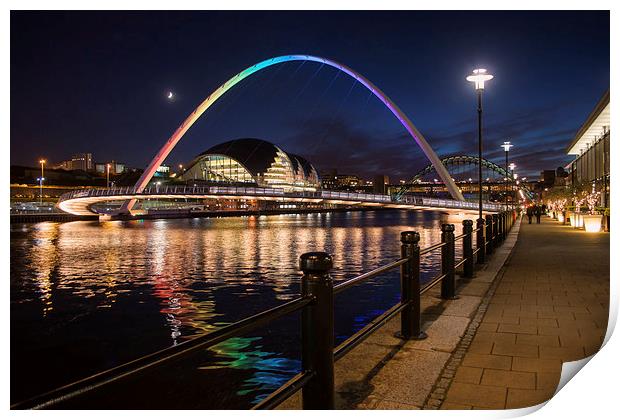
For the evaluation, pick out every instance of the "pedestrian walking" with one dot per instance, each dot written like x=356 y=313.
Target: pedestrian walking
x=530 y=213
x=537 y=213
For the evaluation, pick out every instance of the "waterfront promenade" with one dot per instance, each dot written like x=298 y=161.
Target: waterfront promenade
x=541 y=299
x=550 y=306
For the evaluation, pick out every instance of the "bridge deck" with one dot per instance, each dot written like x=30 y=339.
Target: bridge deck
x=80 y=202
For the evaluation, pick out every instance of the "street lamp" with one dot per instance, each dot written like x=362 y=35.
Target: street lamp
x=507 y=146
x=478 y=77
x=41 y=179
x=42 y=162
x=512 y=167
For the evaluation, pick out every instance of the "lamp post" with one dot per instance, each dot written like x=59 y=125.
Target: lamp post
x=478 y=77
x=507 y=146
x=40 y=180
x=511 y=174
x=512 y=167
x=42 y=162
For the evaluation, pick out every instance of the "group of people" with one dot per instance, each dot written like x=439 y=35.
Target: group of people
x=535 y=210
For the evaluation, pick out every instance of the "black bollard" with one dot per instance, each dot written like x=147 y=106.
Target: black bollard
x=489 y=233
x=448 y=284
x=480 y=241
x=411 y=317
x=468 y=252
x=317 y=331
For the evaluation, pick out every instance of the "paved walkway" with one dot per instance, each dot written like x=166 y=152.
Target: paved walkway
x=551 y=306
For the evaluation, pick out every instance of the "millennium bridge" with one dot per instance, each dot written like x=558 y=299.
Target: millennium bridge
x=80 y=202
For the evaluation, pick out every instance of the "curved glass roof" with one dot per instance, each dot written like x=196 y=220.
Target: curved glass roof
x=255 y=154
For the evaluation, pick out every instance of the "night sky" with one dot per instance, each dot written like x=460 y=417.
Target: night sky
x=97 y=82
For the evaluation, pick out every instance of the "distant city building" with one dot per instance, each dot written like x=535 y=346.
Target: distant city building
x=591 y=146
x=66 y=165
x=380 y=184
x=82 y=161
x=547 y=178
x=79 y=161
x=115 y=168
x=163 y=171
x=349 y=181
x=252 y=162
x=561 y=177
x=328 y=179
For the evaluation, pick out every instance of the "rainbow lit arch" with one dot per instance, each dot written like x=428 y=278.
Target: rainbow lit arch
x=211 y=99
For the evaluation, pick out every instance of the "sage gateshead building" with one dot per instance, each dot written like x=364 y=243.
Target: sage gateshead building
x=252 y=162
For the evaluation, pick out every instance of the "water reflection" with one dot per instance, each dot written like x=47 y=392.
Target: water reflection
x=43 y=261
x=123 y=289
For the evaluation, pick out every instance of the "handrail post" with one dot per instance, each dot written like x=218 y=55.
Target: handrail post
x=448 y=285
x=480 y=241
x=495 y=230
x=489 y=233
x=508 y=222
x=468 y=252
x=317 y=331
x=500 y=227
x=411 y=317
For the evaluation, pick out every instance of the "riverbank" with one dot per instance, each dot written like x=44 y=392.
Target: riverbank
x=49 y=217
x=65 y=217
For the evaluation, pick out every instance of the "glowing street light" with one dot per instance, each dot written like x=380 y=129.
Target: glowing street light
x=478 y=77
x=42 y=162
x=506 y=146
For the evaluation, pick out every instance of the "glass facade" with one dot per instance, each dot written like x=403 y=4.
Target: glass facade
x=592 y=166
x=254 y=162
x=590 y=169
x=217 y=168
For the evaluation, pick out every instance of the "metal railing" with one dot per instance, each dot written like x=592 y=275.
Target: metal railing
x=316 y=379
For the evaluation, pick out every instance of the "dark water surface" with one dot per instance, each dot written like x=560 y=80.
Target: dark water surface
x=87 y=296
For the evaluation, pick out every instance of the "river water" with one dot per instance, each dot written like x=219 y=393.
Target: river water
x=87 y=296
